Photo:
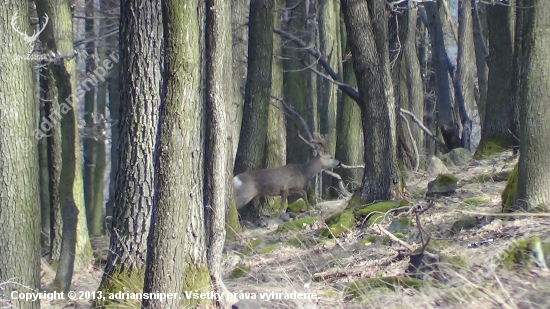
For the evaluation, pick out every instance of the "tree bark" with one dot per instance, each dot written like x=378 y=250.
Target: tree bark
x=252 y=141
x=19 y=192
x=534 y=161
x=495 y=133
x=141 y=58
x=366 y=27
x=466 y=69
x=219 y=149
x=76 y=250
x=480 y=45
x=446 y=122
x=179 y=163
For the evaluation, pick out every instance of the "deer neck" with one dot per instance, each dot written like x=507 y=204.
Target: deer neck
x=312 y=168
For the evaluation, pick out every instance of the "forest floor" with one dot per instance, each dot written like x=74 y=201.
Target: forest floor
x=288 y=265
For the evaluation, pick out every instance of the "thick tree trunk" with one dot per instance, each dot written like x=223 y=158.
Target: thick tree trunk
x=367 y=35
x=179 y=162
x=141 y=39
x=275 y=153
x=349 y=145
x=534 y=161
x=252 y=141
x=19 y=192
x=496 y=135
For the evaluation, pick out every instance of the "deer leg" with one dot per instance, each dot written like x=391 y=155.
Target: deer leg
x=284 y=195
x=304 y=196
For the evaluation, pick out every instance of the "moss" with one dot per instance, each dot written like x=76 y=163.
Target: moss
x=362 y=288
x=120 y=281
x=522 y=253
x=240 y=271
x=268 y=249
x=298 y=206
x=509 y=193
x=303 y=241
x=462 y=224
x=386 y=240
x=446 y=179
x=488 y=147
x=249 y=248
x=355 y=203
x=196 y=278
x=232 y=222
x=338 y=225
x=272 y=204
x=376 y=211
x=476 y=200
x=496 y=177
x=404 y=221
x=436 y=245
x=296 y=225
x=367 y=240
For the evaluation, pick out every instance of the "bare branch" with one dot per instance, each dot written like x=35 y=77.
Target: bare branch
x=430 y=134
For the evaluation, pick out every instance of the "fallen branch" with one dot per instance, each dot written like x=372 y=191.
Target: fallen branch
x=428 y=132
x=366 y=271
x=390 y=235
x=345 y=192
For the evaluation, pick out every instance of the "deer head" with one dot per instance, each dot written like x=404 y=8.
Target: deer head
x=30 y=40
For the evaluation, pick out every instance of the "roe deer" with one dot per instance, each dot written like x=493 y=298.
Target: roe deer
x=282 y=181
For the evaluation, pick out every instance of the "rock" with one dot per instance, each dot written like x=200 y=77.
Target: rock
x=462 y=224
x=436 y=166
x=444 y=184
x=285 y=217
x=460 y=156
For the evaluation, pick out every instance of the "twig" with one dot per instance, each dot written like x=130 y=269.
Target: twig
x=417 y=156
x=390 y=235
x=345 y=192
x=430 y=134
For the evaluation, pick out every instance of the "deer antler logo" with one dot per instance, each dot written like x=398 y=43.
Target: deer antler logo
x=29 y=39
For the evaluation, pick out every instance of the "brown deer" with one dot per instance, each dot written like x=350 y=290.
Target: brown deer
x=284 y=180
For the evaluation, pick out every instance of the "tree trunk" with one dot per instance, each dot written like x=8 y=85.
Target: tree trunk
x=89 y=141
x=19 y=192
x=76 y=250
x=366 y=27
x=534 y=161
x=414 y=78
x=328 y=20
x=239 y=34
x=275 y=153
x=495 y=133
x=466 y=69
x=349 y=145
x=446 y=122
x=179 y=161
x=140 y=84
x=252 y=141
x=480 y=45
x=219 y=150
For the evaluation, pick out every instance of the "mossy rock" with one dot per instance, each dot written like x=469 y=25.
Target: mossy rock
x=489 y=147
x=475 y=200
x=460 y=156
x=361 y=288
x=298 y=206
x=249 y=248
x=510 y=191
x=339 y=224
x=240 y=271
x=296 y=225
x=525 y=252
x=376 y=211
x=462 y=224
x=271 y=204
x=355 y=203
x=444 y=184
x=367 y=240
x=493 y=177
